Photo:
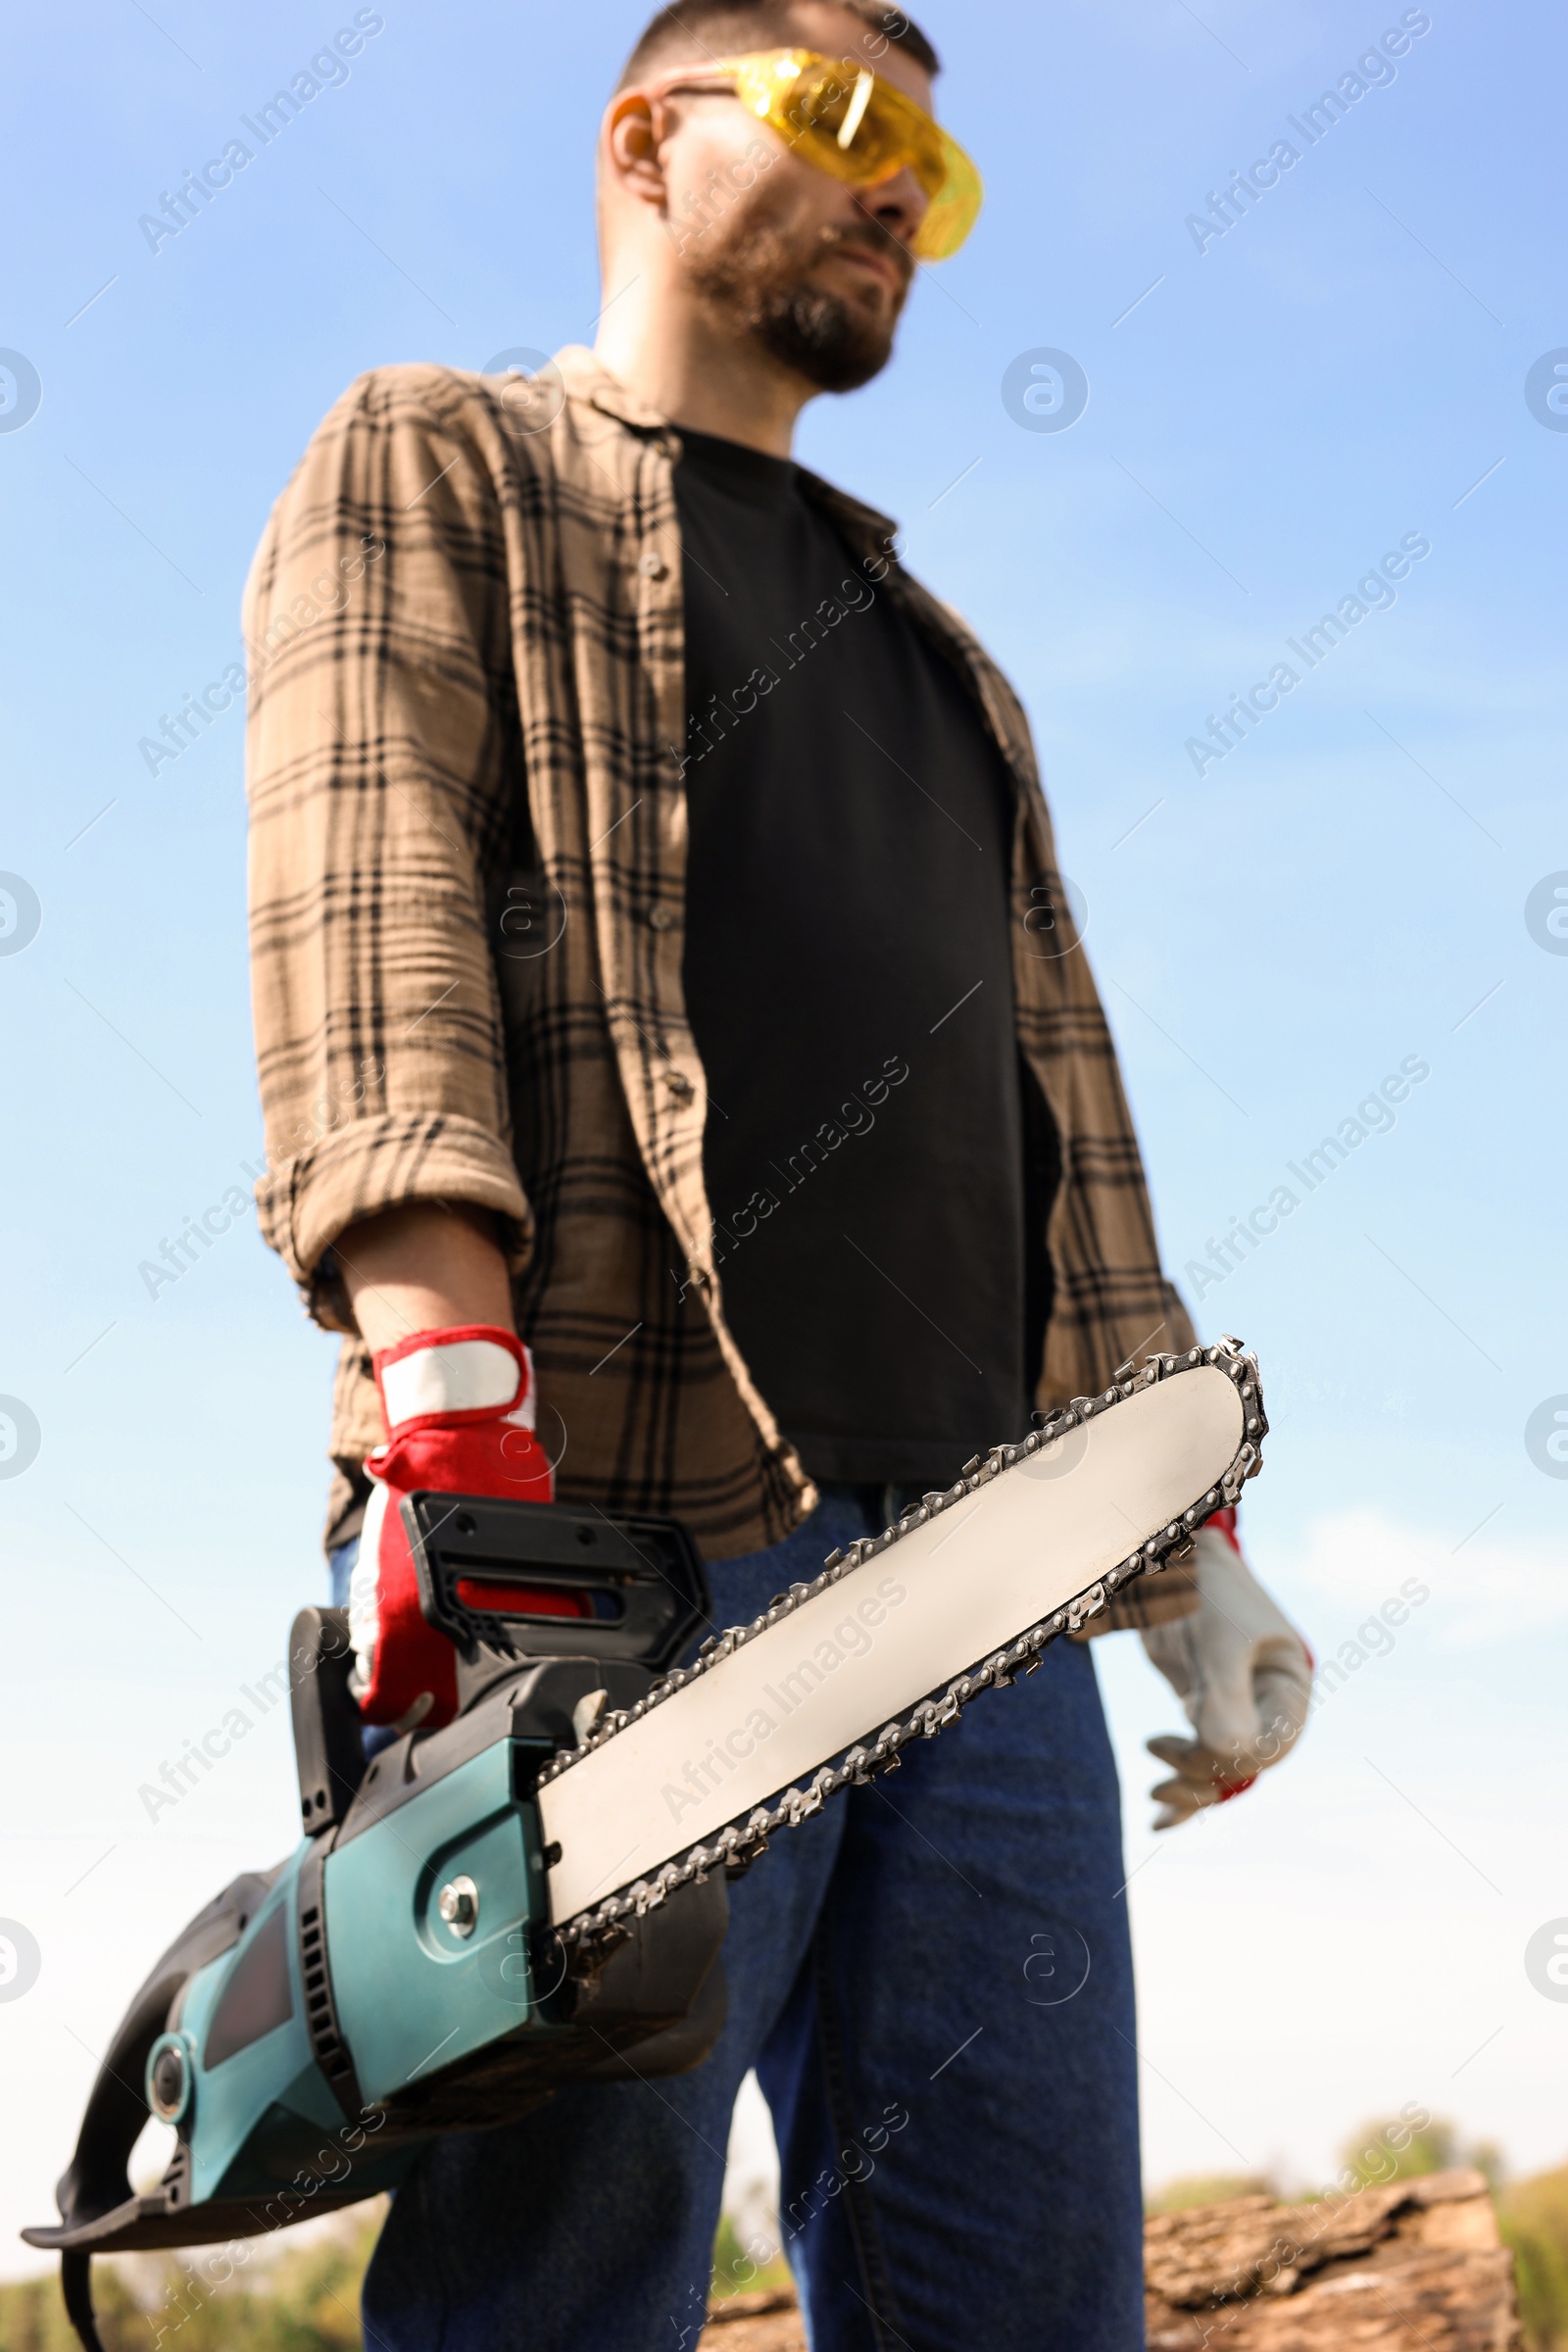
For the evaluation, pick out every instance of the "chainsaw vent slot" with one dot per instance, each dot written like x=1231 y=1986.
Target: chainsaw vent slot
x=325 y=2044
x=328 y=2046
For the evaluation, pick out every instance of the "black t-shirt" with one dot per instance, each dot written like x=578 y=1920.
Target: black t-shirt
x=872 y=1138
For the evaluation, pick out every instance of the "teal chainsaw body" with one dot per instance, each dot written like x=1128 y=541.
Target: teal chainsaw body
x=397 y=1977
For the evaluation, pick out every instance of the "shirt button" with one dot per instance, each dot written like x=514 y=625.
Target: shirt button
x=663 y=918
x=652 y=565
x=679 y=1085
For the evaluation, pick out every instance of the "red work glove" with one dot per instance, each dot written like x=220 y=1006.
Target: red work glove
x=460 y=1407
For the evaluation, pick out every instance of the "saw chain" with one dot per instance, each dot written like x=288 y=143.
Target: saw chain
x=592 y=1934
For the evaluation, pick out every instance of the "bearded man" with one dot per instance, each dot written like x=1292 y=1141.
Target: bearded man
x=687 y=1094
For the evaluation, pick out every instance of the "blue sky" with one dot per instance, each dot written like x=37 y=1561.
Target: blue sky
x=1344 y=892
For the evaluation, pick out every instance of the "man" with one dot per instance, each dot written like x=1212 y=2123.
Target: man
x=660 y=954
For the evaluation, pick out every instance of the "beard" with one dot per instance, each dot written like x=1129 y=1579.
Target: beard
x=757 y=268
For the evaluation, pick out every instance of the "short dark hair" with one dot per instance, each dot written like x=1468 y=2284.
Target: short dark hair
x=736 y=26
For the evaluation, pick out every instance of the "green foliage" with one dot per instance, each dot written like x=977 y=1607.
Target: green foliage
x=735 y=2271
x=1397 y=2149
x=307 y=2301
x=1208 y=2188
x=1532 y=2215
x=33 y=2318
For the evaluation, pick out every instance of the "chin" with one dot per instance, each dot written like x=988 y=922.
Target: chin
x=874 y=309
x=869 y=286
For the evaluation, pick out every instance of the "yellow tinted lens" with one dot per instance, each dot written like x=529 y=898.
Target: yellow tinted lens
x=852 y=118
x=955 y=206
x=861 y=129
x=864 y=131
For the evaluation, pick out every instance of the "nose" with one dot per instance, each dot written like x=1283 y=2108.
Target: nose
x=897 y=206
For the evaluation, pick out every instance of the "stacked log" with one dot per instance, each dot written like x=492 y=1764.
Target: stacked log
x=1415 y=2264
x=1413 y=2267
x=753 y=2323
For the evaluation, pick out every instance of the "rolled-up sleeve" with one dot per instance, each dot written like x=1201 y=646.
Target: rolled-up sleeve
x=385 y=774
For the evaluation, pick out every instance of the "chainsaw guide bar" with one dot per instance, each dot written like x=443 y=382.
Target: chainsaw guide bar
x=1085 y=1482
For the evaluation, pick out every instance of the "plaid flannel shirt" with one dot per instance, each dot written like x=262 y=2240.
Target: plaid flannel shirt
x=467 y=880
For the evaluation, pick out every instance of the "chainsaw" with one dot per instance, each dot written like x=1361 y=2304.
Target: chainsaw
x=537 y=1894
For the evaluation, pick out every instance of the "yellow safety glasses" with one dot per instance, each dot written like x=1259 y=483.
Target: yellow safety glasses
x=859 y=129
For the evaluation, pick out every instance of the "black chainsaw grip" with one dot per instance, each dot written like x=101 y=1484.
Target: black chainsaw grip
x=98 y=2178
x=116 y=2109
x=328 y=1729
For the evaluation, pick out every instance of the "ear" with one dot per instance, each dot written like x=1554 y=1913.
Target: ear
x=632 y=139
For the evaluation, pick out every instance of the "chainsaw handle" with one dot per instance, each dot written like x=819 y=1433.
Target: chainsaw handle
x=540 y=1580
x=96 y=2179
x=328 y=1728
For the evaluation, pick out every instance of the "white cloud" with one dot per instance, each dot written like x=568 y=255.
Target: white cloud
x=1486 y=1588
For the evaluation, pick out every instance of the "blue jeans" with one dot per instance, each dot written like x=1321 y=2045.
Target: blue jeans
x=933 y=1982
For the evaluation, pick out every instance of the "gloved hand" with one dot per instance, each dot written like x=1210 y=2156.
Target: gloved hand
x=1244 y=1676
x=459 y=1409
